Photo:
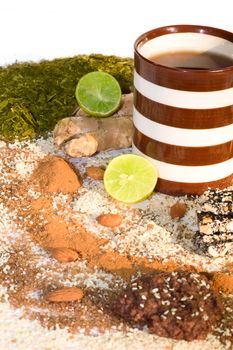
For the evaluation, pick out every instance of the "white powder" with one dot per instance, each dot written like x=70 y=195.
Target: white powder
x=4 y=254
x=97 y=280
x=93 y=203
x=24 y=168
x=2 y=144
x=28 y=152
x=60 y=200
x=17 y=333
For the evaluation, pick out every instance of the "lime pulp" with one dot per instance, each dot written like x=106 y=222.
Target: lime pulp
x=130 y=178
x=98 y=94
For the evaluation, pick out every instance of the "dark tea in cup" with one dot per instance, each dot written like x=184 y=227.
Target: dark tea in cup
x=183 y=106
x=193 y=60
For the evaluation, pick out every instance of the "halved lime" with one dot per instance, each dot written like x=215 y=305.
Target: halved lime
x=130 y=178
x=98 y=94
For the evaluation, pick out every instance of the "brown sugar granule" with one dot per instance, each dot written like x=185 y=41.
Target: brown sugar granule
x=96 y=173
x=178 y=210
x=54 y=174
x=179 y=305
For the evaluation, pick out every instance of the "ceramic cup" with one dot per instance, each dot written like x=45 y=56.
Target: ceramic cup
x=183 y=118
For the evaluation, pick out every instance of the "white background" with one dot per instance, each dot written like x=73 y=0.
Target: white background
x=37 y=29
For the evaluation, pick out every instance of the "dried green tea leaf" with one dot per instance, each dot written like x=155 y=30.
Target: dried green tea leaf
x=34 y=96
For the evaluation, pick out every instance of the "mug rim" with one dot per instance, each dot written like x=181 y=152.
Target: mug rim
x=183 y=28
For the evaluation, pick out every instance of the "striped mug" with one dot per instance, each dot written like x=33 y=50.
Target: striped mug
x=183 y=114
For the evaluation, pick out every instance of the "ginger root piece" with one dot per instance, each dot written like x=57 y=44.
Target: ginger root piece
x=83 y=146
x=73 y=127
x=82 y=135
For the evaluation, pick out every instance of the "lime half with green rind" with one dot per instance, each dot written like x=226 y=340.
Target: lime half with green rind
x=130 y=178
x=98 y=94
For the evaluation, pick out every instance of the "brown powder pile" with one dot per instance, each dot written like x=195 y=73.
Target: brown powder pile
x=54 y=174
x=224 y=281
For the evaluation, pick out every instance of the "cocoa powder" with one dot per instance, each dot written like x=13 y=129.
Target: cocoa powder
x=223 y=281
x=54 y=174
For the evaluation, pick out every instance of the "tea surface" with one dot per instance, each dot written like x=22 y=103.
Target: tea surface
x=193 y=60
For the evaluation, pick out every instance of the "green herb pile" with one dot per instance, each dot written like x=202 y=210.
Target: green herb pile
x=34 y=96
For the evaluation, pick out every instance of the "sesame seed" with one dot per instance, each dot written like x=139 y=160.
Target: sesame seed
x=183 y=298
x=206 y=296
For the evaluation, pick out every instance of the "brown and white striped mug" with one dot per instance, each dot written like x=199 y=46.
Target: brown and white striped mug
x=183 y=118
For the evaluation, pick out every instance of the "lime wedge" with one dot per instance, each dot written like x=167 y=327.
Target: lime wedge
x=130 y=178
x=98 y=94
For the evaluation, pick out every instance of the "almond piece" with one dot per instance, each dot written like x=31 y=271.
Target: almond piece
x=65 y=294
x=178 y=210
x=64 y=255
x=96 y=173
x=109 y=220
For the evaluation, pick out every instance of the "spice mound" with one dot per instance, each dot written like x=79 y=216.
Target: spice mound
x=178 y=305
x=50 y=176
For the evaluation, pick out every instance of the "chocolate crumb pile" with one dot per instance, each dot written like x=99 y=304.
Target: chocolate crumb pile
x=179 y=305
